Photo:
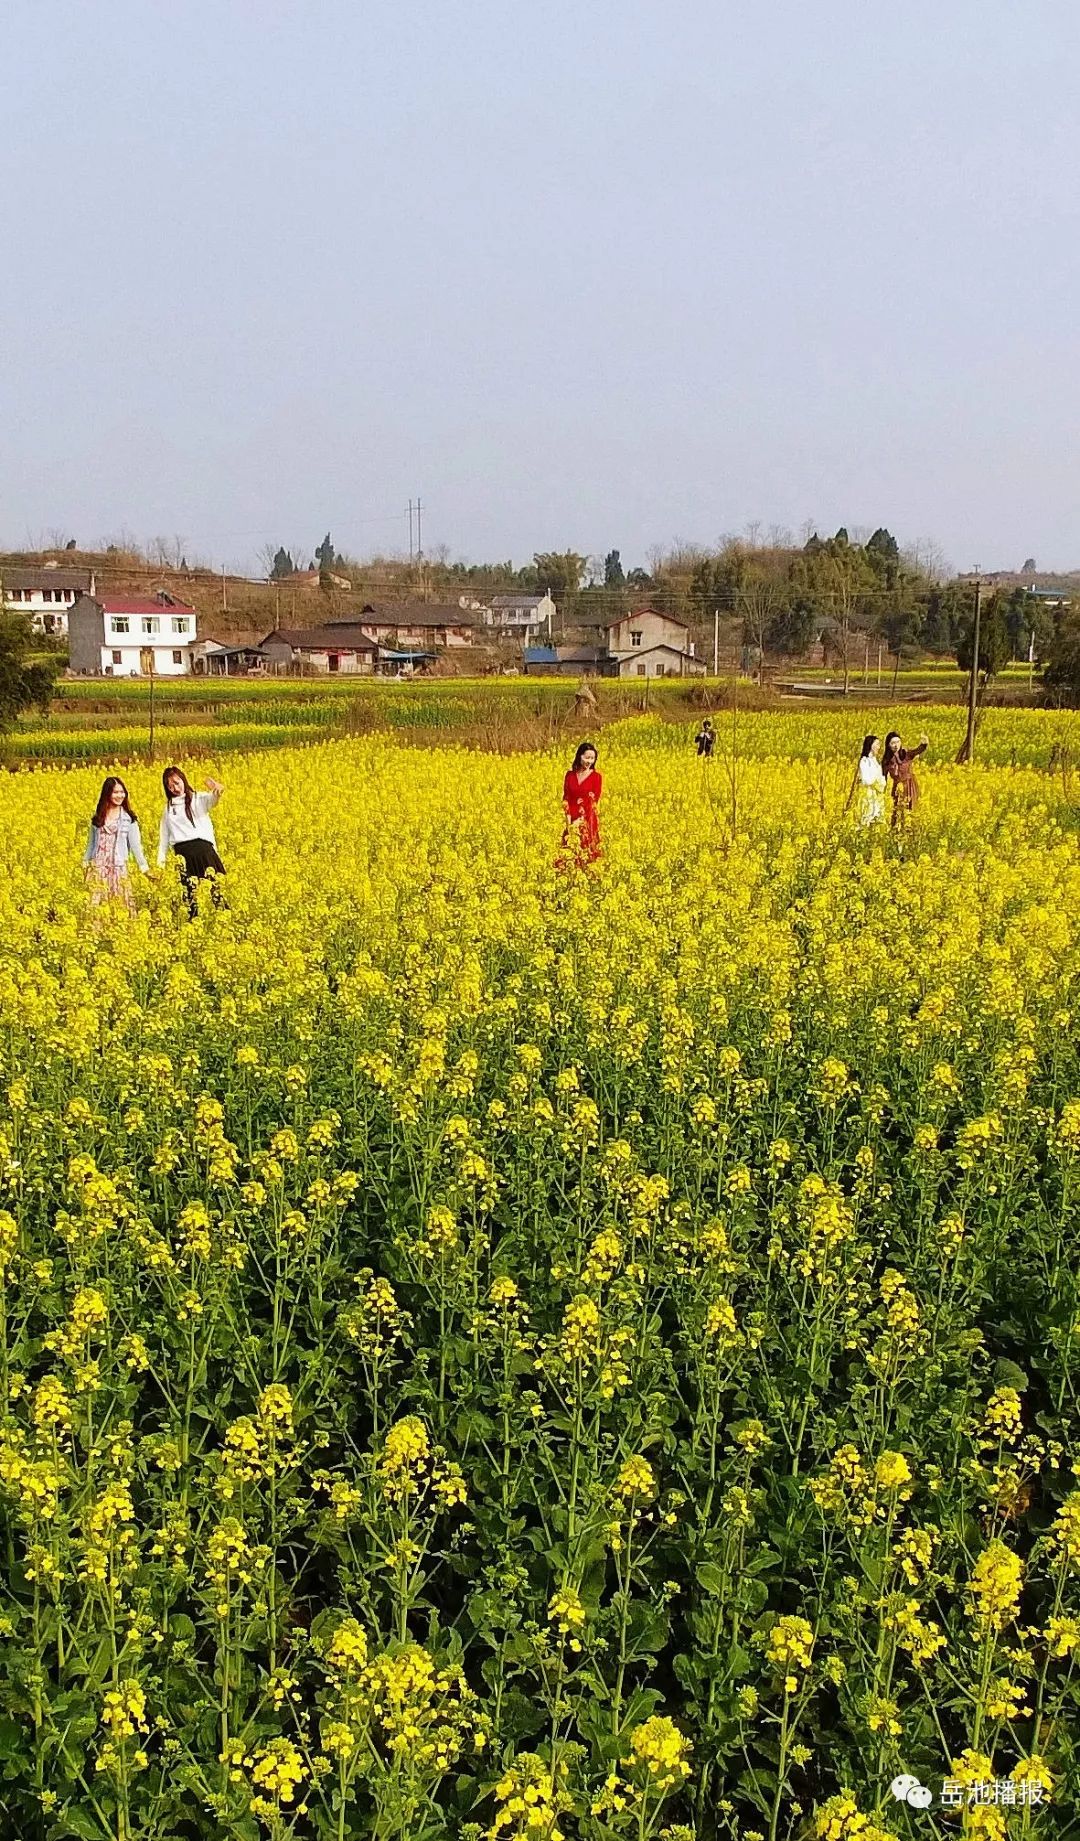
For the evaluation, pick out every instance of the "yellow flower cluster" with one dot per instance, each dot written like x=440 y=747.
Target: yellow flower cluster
x=789 y=1645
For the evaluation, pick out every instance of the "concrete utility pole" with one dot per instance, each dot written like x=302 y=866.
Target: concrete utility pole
x=716 y=642
x=973 y=681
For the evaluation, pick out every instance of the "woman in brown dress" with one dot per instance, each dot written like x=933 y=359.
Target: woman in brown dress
x=898 y=769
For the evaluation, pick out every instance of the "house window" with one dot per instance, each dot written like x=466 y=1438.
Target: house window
x=661 y=670
x=46 y=594
x=179 y=626
x=120 y=625
x=178 y=658
x=117 y=658
x=641 y=670
x=151 y=624
x=635 y=638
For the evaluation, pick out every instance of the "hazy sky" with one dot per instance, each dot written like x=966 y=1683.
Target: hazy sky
x=581 y=274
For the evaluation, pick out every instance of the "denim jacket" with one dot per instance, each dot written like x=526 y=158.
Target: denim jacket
x=128 y=843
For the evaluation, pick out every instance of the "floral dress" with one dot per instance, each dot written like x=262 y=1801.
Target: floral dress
x=110 y=877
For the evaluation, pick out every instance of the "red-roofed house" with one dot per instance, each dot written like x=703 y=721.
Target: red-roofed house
x=108 y=635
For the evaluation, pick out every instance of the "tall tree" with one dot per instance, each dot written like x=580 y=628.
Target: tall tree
x=1027 y=622
x=613 y=570
x=883 y=555
x=1062 y=674
x=283 y=565
x=994 y=647
x=559 y=571
x=25 y=681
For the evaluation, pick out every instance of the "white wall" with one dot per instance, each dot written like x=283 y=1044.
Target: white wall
x=130 y=660
x=164 y=644
x=37 y=608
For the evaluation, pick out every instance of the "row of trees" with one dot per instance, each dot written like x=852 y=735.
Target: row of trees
x=847 y=593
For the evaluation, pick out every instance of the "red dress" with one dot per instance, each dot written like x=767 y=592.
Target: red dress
x=580 y=798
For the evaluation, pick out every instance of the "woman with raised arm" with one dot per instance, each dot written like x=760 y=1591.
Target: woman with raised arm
x=899 y=769
x=187 y=830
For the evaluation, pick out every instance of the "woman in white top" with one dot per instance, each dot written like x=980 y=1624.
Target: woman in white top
x=114 y=837
x=187 y=829
x=869 y=782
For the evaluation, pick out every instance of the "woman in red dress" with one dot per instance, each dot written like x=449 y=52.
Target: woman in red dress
x=581 y=794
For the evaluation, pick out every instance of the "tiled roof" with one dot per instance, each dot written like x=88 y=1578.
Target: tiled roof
x=336 y=637
x=639 y=614
x=78 y=579
x=139 y=604
x=414 y=613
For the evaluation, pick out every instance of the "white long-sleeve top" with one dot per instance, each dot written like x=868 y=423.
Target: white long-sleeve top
x=178 y=828
x=870 y=772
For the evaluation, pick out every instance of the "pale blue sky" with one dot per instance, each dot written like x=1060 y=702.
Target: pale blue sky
x=581 y=273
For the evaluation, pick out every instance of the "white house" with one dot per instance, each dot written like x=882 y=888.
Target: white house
x=45 y=594
x=648 y=644
x=108 y=635
x=520 y=616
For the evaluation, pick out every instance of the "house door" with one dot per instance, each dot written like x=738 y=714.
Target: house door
x=333 y=661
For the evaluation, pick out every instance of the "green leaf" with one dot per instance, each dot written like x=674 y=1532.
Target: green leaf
x=712 y=1578
x=13 y=1737
x=78 y=1822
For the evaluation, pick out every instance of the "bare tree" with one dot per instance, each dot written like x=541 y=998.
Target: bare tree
x=166 y=552
x=926 y=557
x=760 y=596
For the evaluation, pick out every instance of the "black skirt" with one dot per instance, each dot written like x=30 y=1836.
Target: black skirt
x=198 y=858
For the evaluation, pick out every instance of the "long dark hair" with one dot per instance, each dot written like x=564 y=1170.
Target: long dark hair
x=889 y=750
x=585 y=748
x=105 y=800
x=188 y=793
x=868 y=742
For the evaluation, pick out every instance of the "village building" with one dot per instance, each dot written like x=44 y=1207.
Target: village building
x=128 y=636
x=565 y=661
x=649 y=644
x=416 y=625
x=223 y=658
x=525 y=617
x=645 y=644
x=45 y=594
x=341 y=647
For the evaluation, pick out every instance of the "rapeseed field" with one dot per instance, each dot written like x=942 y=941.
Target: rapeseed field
x=494 y=1352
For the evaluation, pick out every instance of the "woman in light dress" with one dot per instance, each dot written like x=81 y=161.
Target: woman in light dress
x=114 y=838
x=869 y=784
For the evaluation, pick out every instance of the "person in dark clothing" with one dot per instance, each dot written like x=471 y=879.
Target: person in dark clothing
x=897 y=766
x=705 y=739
